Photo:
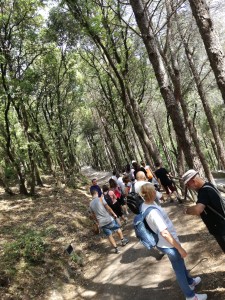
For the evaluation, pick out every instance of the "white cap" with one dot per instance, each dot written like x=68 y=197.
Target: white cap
x=189 y=175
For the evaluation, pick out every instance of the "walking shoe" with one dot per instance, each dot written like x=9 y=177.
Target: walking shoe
x=196 y=281
x=117 y=250
x=198 y=297
x=124 y=241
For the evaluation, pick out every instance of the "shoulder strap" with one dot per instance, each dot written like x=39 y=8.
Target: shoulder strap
x=133 y=188
x=145 y=213
x=212 y=209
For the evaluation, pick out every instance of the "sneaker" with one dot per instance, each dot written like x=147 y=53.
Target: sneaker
x=124 y=241
x=198 y=297
x=117 y=250
x=196 y=281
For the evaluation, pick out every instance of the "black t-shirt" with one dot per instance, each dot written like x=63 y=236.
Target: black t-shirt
x=162 y=175
x=214 y=223
x=140 y=169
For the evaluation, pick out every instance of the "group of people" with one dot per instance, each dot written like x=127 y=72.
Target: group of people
x=209 y=207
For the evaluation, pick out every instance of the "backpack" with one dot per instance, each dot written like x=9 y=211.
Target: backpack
x=134 y=201
x=149 y=174
x=108 y=199
x=143 y=232
x=222 y=201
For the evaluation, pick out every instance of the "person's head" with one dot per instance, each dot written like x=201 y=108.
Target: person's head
x=135 y=165
x=127 y=168
x=157 y=164
x=114 y=172
x=117 y=174
x=143 y=164
x=94 y=181
x=148 y=192
x=126 y=179
x=192 y=180
x=105 y=188
x=112 y=183
x=94 y=193
x=140 y=176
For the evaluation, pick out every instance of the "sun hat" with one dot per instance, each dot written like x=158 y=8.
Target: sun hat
x=189 y=175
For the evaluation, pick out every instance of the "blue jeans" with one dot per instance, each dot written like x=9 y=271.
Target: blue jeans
x=183 y=278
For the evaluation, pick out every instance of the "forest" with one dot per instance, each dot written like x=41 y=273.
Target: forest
x=106 y=81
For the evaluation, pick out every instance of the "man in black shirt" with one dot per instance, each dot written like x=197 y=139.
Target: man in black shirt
x=163 y=177
x=209 y=205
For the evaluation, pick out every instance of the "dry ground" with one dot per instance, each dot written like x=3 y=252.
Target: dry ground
x=93 y=271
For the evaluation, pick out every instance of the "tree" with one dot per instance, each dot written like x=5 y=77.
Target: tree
x=211 y=41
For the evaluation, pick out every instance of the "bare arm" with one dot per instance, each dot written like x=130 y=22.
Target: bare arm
x=167 y=236
x=195 y=209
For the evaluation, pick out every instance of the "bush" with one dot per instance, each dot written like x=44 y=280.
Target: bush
x=29 y=245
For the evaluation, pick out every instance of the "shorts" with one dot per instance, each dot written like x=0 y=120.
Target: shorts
x=108 y=229
x=121 y=200
x=169 y=188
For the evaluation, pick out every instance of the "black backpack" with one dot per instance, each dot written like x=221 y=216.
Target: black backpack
x=134 y=201
x=108 y=199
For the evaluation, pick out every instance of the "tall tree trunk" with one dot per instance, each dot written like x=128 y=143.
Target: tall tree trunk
x=175 y=77
x=144 y=24
x=165 y=149
x=207 y=109
x=120 y=83
x=211 y=41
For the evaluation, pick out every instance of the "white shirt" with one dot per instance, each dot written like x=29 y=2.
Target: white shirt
x=114 y=178
x=138 y=185
x=158 y=221
x=120 y=183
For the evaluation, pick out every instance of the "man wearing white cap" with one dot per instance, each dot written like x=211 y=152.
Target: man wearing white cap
x=210 y=205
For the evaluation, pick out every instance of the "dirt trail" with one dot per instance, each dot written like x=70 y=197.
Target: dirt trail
x=136 y=273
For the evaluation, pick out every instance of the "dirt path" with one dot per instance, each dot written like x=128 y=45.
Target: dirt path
x=136 y=273
x=94 y=271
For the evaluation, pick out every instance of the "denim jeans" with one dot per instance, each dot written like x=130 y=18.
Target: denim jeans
x=183 y=278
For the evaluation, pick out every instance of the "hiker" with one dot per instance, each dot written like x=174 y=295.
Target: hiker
x=114 y=175
x=138 y=168
x=141 y=180
x=210 y=206
x=147 y=168
x=168 y=243
x=105 y=217
x=129 y=172
x=112 y=201
x=118 y=192
x=127 y=185
x=164 y=179
x=95 y=187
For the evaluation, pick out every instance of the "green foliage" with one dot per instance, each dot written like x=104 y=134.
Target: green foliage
x=76 y=258
x=28 y=245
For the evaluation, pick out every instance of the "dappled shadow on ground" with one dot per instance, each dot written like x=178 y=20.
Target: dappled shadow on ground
x=136 y=273
x=166 y=289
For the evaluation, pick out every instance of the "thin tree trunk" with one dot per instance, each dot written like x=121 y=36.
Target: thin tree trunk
x=165 y=149
x=144 y=24
x=207 y=109
x=211 y=41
